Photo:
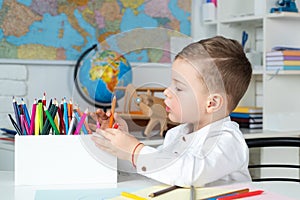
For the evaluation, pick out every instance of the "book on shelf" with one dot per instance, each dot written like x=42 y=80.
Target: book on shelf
x=247 y=120
x=284 y=48
x=277 y=58
x=251 y=126
x=283 y=53
x=282 y=67
x=246 y=115
x=248 y=109
x=283 y=62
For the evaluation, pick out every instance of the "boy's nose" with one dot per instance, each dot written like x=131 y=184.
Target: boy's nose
x=167 y=93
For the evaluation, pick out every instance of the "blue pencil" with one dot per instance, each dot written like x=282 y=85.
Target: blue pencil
x=17 y=113
x=66 y=117
x=26 y=112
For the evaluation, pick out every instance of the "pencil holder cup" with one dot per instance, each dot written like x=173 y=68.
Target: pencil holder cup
x=62 y=159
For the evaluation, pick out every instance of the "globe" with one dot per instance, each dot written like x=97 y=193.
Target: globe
x=100 y=72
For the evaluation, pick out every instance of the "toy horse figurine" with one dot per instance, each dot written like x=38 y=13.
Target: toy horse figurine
x=150 y=106
x=285 y=6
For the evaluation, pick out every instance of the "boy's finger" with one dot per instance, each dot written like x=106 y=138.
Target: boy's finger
x=93 y=116
x=101 y=114
x=93 y=127
x=106 y=134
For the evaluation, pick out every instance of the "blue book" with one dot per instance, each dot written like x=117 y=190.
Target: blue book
x=246 y=115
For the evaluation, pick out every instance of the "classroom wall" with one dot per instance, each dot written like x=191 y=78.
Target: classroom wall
x=30 y=79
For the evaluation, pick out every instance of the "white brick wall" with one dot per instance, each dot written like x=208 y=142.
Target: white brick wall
x=30 y=79
x=13 y=82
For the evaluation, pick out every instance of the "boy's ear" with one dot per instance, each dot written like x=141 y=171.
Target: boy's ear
x=214 y=103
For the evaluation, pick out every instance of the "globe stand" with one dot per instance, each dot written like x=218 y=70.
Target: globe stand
x=103 y=106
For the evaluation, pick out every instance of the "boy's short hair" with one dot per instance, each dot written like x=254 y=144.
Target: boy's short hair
x=229 y=70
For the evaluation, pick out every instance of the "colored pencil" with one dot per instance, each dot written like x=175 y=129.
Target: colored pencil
x=240 y=191
x=37 y=121
x=70 y=109
x=72 y=124
x=41 y=114
x=47 y=124
x=15 y=124
x=32 y=120
x=66 y=120
x=17 y=112
x=78 y=117
x=113 y=106
x=154 y=194
x=49 y=117
x=62 y=128
x=80 y=123
x=25 y=125
x=44 y=102
x=22 y=117
x=22 y=120
x=7 y=139
x=25 y=112
x=85 y=128
x=132 y=196
x=98 y=124
x=241 y=195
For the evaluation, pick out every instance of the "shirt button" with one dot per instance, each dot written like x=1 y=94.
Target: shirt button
x=183 y=138
x=144 y=169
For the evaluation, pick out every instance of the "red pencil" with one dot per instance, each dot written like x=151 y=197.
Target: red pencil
x=242 y=195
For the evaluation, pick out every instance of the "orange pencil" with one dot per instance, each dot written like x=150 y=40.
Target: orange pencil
x=113 y=106
x=70 y=109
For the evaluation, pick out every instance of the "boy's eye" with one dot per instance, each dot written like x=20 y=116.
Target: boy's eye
x=178 y=89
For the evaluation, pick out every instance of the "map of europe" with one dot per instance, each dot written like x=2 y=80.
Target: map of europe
x=63 y=29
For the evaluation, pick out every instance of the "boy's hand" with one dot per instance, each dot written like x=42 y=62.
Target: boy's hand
x=102 y=119
x=116 y=142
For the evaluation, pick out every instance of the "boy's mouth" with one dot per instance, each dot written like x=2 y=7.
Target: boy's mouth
x=168 y=109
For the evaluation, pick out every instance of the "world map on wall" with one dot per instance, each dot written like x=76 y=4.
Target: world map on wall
x=63 y=29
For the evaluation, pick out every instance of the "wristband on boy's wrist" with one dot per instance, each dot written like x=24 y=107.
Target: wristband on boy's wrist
x=133 y=152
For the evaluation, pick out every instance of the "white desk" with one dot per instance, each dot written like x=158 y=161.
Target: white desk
x=272 y=190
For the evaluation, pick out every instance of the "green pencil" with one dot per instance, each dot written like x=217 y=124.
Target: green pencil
x=51 y=121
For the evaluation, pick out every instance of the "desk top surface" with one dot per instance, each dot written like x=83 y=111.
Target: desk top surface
x=8 y=191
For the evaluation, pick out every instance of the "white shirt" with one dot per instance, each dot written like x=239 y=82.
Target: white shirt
x=214 y=155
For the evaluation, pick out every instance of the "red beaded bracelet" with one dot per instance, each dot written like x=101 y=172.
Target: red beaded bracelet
x=132 y=155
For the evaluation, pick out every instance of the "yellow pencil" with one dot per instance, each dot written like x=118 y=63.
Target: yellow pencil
x=132 y=196
x=37 y=121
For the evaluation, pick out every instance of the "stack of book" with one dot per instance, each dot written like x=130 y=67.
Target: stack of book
x=248 y=117
x=283 y=60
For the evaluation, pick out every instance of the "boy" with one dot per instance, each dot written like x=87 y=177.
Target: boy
x=209 y=78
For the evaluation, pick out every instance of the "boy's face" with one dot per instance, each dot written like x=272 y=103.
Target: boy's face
x=186 y=97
